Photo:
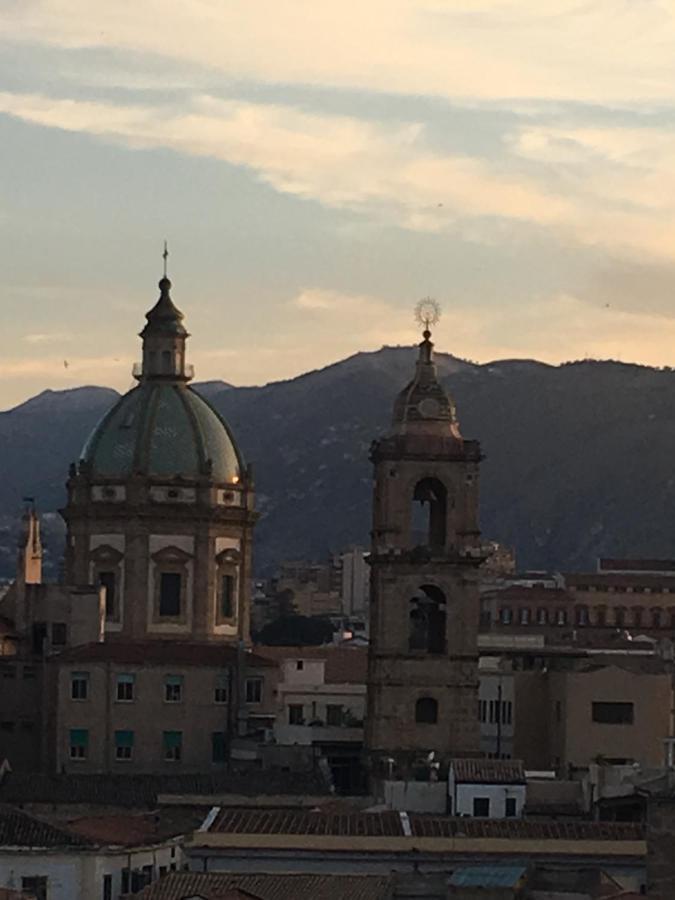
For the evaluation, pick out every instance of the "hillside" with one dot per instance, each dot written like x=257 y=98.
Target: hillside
x=578 y=457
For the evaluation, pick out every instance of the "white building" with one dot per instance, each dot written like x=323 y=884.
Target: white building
x=486 y=788
x=61 y=863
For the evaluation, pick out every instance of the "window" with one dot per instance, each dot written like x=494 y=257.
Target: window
x=79 y=685
x=218 y=748
x=295 y=714
x=637 y=616
x=221 y=690
x=79 y=742
x=107 y=580
x=169 y=593
x=524 y=616
x=507 y=712
x=481 y=807
x=334 y=714
x=124 y=745
x=505 y=615
x=28 y=726
x=39 y=637
x=542 y=617
x=173 y=688
x=582 y=615
x=107 y=887
x=656 y=618
x=125 y=688
x=510 y=807
x=300 y=665
x=482 y=710
x=428 y=515
x=619 y=617
x=8 y=672
x=227 y=596
x=601 y=617
x=173 y=746
x=427 y=620
x=28 y=672
x=59 y=634
x=254 y=690
x=612 y=713
x=426 y=711
x=35 y=885
x=561 y=617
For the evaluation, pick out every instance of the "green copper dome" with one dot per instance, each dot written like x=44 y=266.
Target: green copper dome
x=162 y=429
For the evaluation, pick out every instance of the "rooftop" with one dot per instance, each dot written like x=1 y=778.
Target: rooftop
x=17 y=829
x=389 y=824
x=487 y=876
x=219 y=886
x=488 y=771
x=636 y=565
x=344 y=665
x=160 y=652
x=142 y=791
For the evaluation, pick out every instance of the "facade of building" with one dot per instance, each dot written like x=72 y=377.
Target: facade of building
x=160 y=505
x=486 y=789
x=52 y=862
x=424 y=606
x=156 y=706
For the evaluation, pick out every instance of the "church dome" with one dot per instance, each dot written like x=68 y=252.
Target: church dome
x=162 y=429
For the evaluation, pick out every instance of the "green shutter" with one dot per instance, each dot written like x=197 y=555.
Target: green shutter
x=124 y=739
x=126 y=679
x=79 y=737
x=172 y=739
x=218 y=746
x=173 y=679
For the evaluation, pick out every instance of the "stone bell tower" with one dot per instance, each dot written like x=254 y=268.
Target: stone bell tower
x=424 y=605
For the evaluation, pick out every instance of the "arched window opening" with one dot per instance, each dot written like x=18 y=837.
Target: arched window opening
x=429 y=511
x=542 y=616
x=426 y=711
x=166 y=362
x=428 y=620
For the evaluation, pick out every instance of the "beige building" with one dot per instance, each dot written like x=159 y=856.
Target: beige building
x=144 y=667
x=422 y=676
x=157 y=706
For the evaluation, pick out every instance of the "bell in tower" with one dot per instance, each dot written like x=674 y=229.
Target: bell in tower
x=425 y=557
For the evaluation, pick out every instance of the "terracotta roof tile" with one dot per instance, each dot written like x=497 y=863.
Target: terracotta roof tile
x=388 y=824
x=141 y=791
x=214 y=886
x=489 y=771
x=159 y=652
x=20 y=830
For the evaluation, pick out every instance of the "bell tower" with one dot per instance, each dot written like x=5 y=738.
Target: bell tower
x=424 y=605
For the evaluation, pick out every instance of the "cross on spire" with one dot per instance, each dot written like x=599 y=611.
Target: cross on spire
x=165 y=256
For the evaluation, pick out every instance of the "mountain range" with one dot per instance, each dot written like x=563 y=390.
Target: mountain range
x=578 y=457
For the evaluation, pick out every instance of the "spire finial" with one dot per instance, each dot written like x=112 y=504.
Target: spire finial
x=165 y=256
x=427 y=313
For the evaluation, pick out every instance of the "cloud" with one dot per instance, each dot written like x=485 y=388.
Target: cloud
x=388 y=171
x=54 y=337
x=479 y=49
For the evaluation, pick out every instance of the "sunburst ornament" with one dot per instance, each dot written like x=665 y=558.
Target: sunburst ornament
x=427 y=313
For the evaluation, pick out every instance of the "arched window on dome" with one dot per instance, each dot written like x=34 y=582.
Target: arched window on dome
x=428 y=616
x=428 y=514
x=426 y=711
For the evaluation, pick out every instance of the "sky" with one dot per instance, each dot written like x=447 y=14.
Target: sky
x=318 y=166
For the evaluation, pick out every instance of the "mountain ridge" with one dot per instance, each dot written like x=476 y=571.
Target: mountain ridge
x=578 y=455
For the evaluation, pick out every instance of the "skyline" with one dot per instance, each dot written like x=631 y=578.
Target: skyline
x=316 y=174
